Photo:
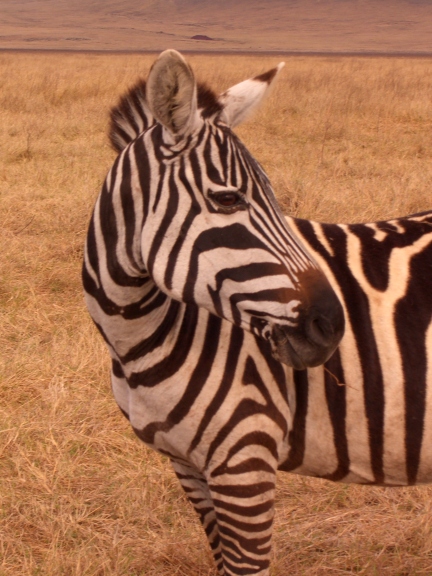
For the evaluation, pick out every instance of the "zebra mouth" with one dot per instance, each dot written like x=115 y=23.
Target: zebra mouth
x=305 y=346
x=284 y=351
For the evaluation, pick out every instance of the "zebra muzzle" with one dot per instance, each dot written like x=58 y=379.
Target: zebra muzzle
x=311 y=342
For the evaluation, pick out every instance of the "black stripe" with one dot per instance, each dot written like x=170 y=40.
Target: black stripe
x=245 y=526
x=413 y=315
x=234 y=236
x=243 y=410
x=175 y=360
x=195 y=159
x=158 y=336
x=92 y=255
x=277 y=370
x=127 y=202
x=108 y=224
x=222 y=149
x=199 y=375
x=144 y=174
x=211 y=170
x=170 y=213
x=117 y=369
x=255 y=438
x=297 y=436
x=242 y=490
x=244 y=510
x=251 y=376
x=193 y=212
x=357 y=305
x=335 y=390
x=234 y=348
x=242 y=274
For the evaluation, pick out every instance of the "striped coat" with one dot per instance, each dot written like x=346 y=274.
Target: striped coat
x=366 y=416
x=208 y=384
x=200 y=289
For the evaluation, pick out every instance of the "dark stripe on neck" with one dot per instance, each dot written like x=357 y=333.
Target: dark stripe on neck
x=234 y=348
x=109 y=229
x=193 y=212
x=167 y=219
x=175 y=360
x=144 y=173
x=198 y=377
x=158 y=336
x=247 y=407
x=128 y=207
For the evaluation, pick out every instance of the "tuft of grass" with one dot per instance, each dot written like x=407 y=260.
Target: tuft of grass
x=342 y=140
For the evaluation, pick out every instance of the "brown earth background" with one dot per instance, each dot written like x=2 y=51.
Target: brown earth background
x=360 y=26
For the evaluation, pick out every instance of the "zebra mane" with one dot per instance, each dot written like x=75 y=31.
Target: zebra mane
x=132 y=116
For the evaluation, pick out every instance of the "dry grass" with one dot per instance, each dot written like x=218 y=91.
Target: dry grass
x=342 y=140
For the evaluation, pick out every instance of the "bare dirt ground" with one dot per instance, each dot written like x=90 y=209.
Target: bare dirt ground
x=399 y=26
x=343 y=139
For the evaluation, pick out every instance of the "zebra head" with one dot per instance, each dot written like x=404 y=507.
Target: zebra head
x=211 y=232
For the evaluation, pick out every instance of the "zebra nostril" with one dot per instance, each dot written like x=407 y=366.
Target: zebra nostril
x=312 y=341
x=319 y=330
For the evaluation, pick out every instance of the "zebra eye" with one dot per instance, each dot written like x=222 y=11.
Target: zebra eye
x=227 y=199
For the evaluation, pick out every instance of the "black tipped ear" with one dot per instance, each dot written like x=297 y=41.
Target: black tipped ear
x=241 y=100
x=172 y=94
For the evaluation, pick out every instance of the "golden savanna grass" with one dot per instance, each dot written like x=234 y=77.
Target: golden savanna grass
x=342 y=140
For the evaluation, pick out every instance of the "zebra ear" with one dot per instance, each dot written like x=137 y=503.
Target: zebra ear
x=172 y=93
x=240 y=100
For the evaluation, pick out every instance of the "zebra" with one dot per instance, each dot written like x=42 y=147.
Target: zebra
x=205 y=299
x=365 y=416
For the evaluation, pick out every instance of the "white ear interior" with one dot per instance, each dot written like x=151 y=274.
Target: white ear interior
x=241 y=100
x=171 y=92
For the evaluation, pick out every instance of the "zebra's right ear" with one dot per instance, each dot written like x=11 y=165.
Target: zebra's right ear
x=172 y=93
x=241 y=100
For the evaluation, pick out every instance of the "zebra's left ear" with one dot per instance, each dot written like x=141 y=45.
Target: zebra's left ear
x=171 y=93
x=240 y=100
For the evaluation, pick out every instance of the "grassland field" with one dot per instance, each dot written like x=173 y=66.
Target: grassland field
x=342 y=139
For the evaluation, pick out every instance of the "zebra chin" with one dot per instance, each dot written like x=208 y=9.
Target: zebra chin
x=310 y=343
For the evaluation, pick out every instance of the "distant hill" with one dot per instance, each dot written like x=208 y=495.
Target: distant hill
x=384 y=26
